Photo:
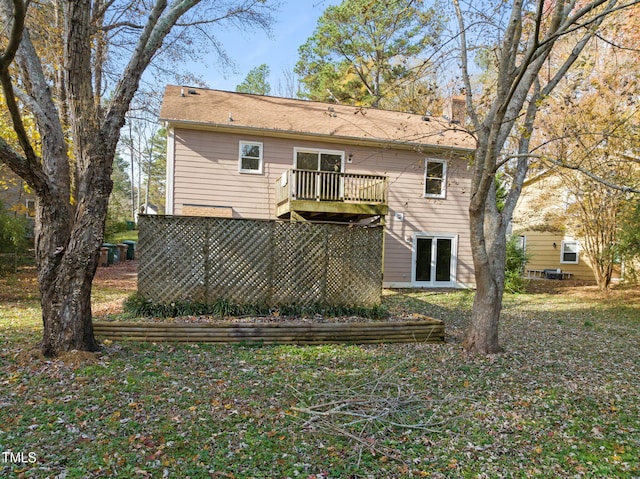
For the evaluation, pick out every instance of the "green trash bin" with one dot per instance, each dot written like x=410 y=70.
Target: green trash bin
x=131 y=225
x=113 y=252
x=131 y=250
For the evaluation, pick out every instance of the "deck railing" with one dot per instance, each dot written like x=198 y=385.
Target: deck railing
x=329 y=186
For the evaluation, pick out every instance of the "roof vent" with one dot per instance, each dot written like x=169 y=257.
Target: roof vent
x=192 y=92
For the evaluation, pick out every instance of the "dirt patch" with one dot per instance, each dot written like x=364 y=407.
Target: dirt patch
x=122 y=276
x=33 y=358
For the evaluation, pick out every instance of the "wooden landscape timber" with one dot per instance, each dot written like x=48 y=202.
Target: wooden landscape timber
x=424 y=331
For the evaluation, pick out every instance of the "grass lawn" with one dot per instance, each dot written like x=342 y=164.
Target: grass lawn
x=121 y=236
x=562 y=401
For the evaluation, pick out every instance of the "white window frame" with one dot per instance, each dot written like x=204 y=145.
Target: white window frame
x=454 y=261
x=443 y=191
x=319 y=151
x=260 y=160
x=562 y=252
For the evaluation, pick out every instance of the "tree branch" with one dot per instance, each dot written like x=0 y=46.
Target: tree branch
x=17 y=25
x=523 y=156
x=464 y=59
x=10 y=157
x=593 y=176
x=21 y=166
x=150 y=40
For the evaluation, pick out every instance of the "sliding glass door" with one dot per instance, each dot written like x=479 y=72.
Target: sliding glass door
x=317 y=182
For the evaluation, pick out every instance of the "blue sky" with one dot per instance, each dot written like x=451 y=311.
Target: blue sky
x=295 y=22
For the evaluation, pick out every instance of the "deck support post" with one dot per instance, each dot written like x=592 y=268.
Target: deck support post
x=297 y=217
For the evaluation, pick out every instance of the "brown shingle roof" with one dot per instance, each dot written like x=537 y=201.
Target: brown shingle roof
x=221 y=109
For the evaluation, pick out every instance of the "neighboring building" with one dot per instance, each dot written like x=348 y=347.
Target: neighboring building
x=251 y=156
x=149 y=209
x=15 y=198
x=548 y=237
x=14 y=195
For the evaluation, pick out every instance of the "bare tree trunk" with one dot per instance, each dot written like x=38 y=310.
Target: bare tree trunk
x=67 y=252
x=488 y=244
x=523 y=50
x=603 y=270
x=66 y=302
x=482 y=334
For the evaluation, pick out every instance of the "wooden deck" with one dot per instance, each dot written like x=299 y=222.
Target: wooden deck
x=322 y=195
x=424 y=331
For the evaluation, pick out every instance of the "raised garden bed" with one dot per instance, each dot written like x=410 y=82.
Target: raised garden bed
x=285 y=332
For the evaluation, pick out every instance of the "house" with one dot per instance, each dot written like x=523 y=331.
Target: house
x=543 y=221
x=248 y=156
x=15 y=197
x=13 y=194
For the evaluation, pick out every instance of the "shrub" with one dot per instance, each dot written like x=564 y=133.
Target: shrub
x=13 y=231
x=514 y=282
x=114 y=227
x=139 y=306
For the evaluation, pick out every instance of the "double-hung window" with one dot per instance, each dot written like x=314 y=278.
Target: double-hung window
x=569 y=252
x=435 y=178
x=250 y=160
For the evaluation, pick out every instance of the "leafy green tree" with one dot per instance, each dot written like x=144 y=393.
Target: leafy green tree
x=514 y=281
x=13 y=231
x=119 y=207
x=155 y=155
x=364 y=52
x=257 y=81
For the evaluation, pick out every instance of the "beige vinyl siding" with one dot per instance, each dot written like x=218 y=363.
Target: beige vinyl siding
x=539 y=245
x=541 y=217
x=448 y=216
x=206 y=174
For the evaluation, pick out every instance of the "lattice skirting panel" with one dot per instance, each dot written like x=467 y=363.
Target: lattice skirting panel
x=258 y=262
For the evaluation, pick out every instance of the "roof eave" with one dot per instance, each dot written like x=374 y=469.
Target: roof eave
x=405 y=145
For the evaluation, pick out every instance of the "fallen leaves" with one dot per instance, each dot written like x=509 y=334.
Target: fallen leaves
x=562 y=402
